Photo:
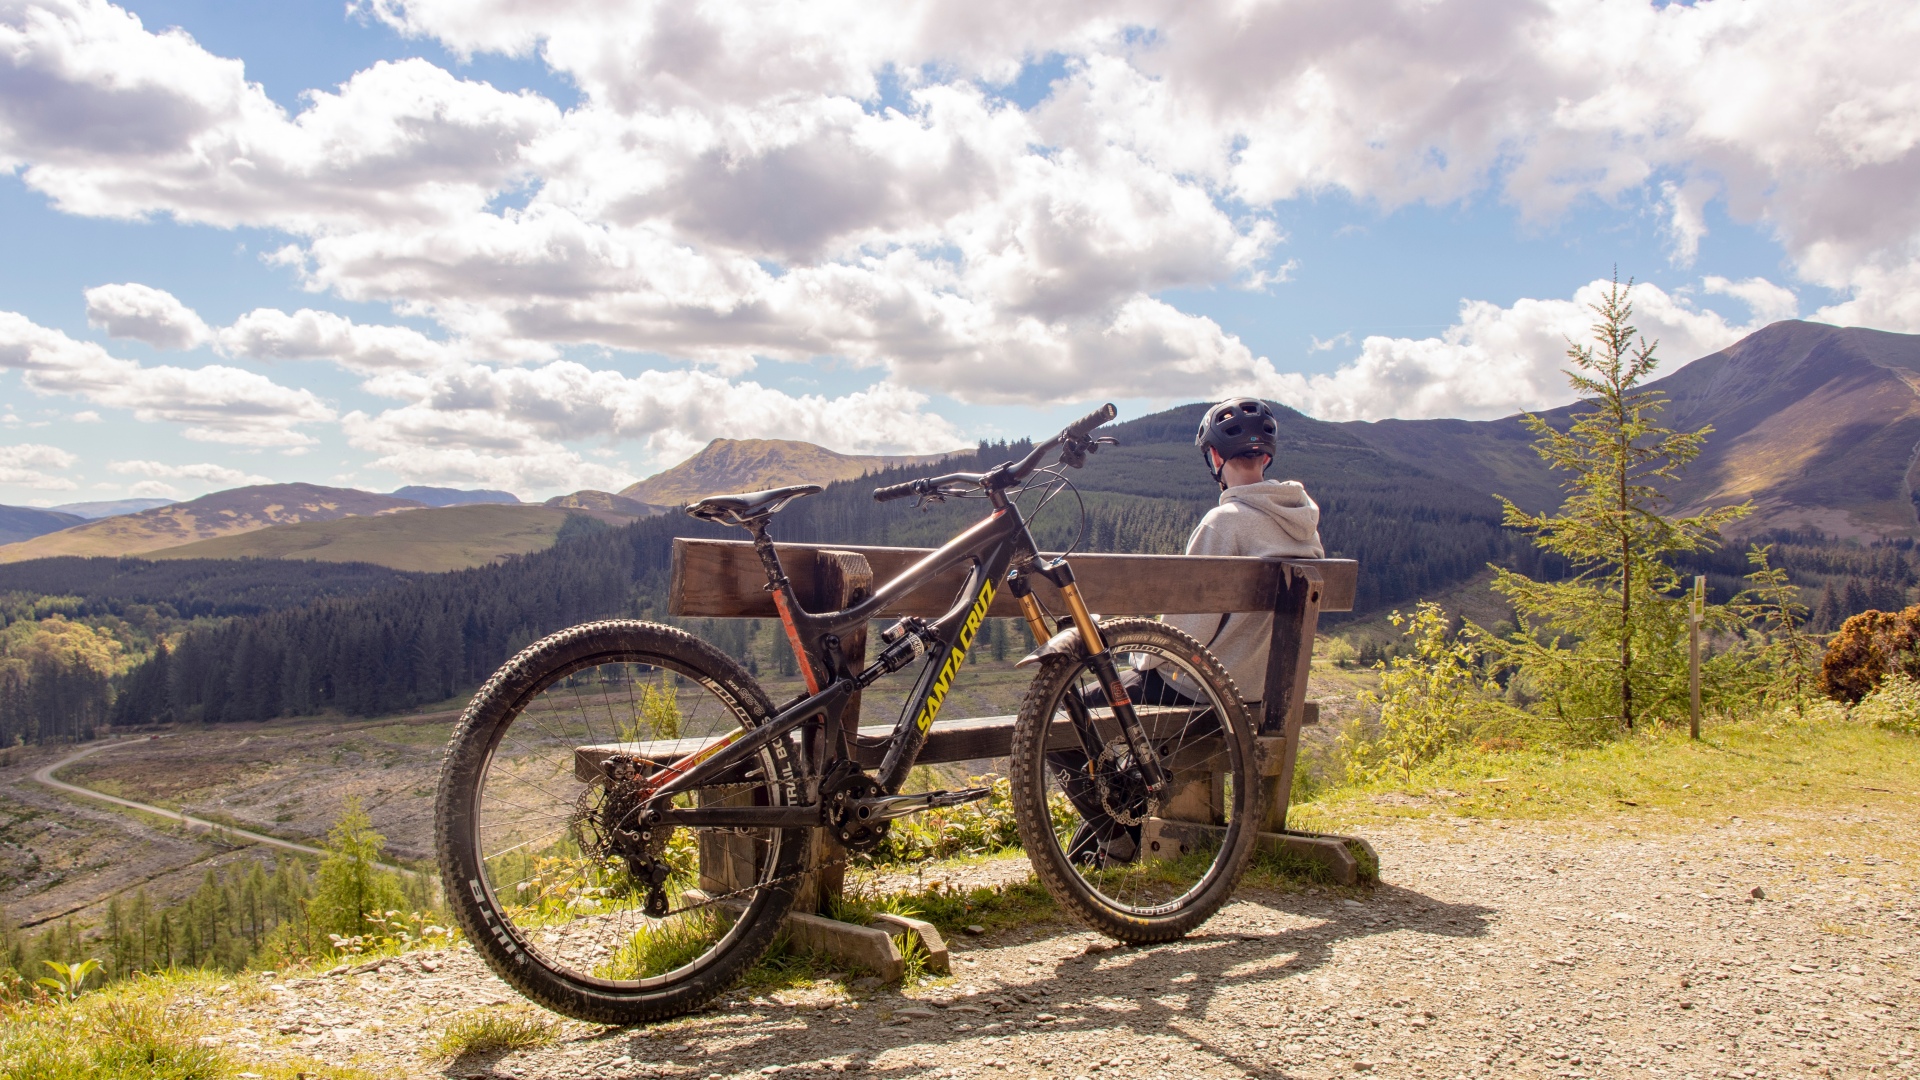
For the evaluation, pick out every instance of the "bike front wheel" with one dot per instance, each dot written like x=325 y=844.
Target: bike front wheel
x=549 y=869
x=1136 y=867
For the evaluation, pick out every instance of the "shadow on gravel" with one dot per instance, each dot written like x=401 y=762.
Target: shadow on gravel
x=1162 y=990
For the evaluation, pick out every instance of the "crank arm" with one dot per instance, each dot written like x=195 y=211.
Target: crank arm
x=889 y=807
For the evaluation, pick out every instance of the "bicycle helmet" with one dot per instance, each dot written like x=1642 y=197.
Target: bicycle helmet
x=1234 y=427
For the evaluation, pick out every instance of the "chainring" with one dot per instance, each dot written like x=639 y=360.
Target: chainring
x=840 y=797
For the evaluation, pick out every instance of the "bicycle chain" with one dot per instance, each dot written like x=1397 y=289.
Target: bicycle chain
x=712 y=900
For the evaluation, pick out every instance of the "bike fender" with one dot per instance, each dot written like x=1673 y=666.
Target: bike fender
x=1064 y=643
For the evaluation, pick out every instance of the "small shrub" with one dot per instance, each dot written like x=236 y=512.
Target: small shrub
x=1430 y=700
x=495 y=1030
x=1893 y=705
x=1868 y=647
x=350 y=889
x=68 y=980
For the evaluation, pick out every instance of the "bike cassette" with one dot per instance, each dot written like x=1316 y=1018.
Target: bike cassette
x=608 y=825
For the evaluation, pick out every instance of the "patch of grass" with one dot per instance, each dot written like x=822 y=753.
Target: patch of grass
x=144 y=1028
x=1738 y=767
x=495 y=1030
x=786 y=968
x=664 y=946
x=994 y=907
x=1280 y=868
x=914 y=953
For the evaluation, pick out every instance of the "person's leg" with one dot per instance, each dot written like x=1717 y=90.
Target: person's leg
x=1100 y=837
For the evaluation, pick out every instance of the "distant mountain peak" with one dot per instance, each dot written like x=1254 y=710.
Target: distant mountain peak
x=1817 y=425
x=221 y=513
x=446 y=496
x=728 y=465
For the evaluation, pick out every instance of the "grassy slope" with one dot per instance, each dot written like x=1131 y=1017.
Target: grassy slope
x=448 y=538
x=1790 y=771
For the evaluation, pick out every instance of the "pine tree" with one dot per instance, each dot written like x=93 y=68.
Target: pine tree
x=1826 y=616
x=350 y=886
x=1605 y=645
x=1856 y=599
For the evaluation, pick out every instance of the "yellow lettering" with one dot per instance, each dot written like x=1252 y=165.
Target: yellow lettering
x=938 y=694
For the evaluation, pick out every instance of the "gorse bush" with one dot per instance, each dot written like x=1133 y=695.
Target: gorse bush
x=1869 y=647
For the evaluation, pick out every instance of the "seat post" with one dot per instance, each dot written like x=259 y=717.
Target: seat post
x=769 y=558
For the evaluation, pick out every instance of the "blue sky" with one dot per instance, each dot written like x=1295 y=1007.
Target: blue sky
x=428 y=242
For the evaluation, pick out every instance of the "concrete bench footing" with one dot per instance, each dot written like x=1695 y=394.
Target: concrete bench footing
x=1348 y=859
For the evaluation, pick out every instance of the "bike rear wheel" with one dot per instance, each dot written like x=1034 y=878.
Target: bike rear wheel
x=544 y=865
x=1138 y=869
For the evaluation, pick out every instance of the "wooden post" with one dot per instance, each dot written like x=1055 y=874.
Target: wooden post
x=1694 y=615
x=840 y=580
x=1296 y=616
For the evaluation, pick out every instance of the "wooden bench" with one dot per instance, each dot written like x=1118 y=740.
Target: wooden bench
x=724 y=579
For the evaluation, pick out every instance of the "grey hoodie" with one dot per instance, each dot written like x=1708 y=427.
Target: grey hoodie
x=1272 y=517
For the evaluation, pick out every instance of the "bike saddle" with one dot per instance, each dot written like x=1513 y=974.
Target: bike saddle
x=749 y=505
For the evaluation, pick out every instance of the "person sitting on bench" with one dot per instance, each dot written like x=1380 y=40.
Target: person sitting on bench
x=1255 y=516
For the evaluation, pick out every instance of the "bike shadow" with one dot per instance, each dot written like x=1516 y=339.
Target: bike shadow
x=1146 y=991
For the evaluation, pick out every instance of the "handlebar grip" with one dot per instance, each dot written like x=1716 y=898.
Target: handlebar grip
x=894 y=491
x=1080 y=428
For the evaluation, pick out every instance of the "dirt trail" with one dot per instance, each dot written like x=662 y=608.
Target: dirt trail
x=1570 y=950
x=45 y=776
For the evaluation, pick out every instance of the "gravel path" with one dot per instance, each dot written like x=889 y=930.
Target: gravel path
x=1491 y=950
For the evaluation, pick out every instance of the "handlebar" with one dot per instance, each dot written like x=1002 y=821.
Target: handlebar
x=1074 y=436
x=1084 y=426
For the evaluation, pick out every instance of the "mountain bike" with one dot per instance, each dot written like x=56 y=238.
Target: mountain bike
x=624 y=815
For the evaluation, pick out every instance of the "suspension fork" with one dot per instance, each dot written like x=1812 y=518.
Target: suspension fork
x=1104 y=669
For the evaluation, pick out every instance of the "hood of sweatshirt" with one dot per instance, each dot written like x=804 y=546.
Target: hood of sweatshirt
x=1285 y=501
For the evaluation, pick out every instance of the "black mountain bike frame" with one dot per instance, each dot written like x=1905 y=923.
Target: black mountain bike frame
x=997 y=548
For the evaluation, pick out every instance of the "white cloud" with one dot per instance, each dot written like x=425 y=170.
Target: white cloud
x=144 y=313
x=1769 y=302
x=153 y=489
x=216 y=403
x=37 y=466
x=731 y=188
x=205 y=472
x=86 y=416
x=1497 y=361
x=269 y=334
x=510 y=427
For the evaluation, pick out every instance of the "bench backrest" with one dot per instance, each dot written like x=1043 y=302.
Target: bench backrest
x=723 y=579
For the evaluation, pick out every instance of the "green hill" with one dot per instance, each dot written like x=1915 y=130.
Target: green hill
x=437 y=539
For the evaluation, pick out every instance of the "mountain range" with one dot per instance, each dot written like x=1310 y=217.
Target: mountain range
x=726 y=465
x=1816 y=425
